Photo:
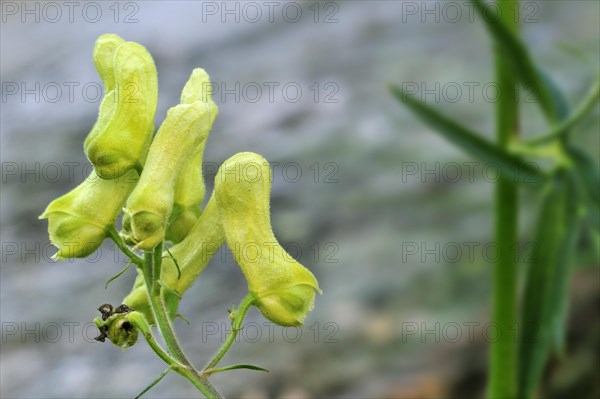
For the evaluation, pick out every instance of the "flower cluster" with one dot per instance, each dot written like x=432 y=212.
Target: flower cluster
x=156 y=182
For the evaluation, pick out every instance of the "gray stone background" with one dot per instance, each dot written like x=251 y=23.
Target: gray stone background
x=350 y=223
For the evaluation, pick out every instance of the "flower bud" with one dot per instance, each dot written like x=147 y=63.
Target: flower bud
x=283 y=288
x=79 y=220
x=184 y=130
x=119 y=140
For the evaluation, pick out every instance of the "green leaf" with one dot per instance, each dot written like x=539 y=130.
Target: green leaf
x=546 y=291
x=472 y=143
x=559 y=99
x=235 y=367
x=587 y=172
x=573 y=118
x=577 y=54
x=116 y=276
x=153 y=383
x=562 y=275
x=174 y=262
x=517 y=55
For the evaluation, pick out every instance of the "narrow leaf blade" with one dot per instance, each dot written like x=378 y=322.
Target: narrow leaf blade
x=546 y=291
x=511 y=165
x=517 y=55
x=153 y=383
x=235 y=367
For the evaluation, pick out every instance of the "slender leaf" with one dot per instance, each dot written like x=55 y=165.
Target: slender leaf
x=116 y=276
x=559 y=99
x=558 y=308
x=573 y=118
x=510 y=164
x=153 y=383
x=234 y=367
x=546 y=291
x=517 y=55
x=577 y=54
x=587 y=173
x=175 y=262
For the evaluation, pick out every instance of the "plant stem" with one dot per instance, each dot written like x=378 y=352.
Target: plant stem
x=163 y=321
x=114 y=235
x=503 y=352
x=236 y=324
x=149 y=337
x=151 y=272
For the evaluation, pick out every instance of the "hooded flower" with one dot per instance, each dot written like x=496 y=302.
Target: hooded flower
x=79 y=220
x=283 y=288
x=189 y=187
x=120 y=138
x=180 y=136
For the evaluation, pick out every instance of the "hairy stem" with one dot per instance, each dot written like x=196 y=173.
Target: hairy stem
x=151 y=273
x=114 y=236
x=236 y=324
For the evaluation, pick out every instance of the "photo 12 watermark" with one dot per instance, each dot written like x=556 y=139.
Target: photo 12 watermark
x=252 y=12
x=453 y=332
x=468 y=92
x=466 y=251
x=53 y=12
x=526 y=12
x=469 y=172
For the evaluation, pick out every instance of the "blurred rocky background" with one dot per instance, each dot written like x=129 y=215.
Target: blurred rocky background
x=394 y=222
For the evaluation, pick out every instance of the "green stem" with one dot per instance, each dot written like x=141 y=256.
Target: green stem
x=138 y=320
x=236 y=324
x=149 y=337
x=114 y=235
x=503 y=352
x=151 y=272
x=186 y=371
x=147 y=272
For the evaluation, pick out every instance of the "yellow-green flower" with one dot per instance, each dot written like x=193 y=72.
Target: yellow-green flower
x=120 y=138
x=183 y=131
x=79 y=220
x=189 y=187
x=283 y=288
